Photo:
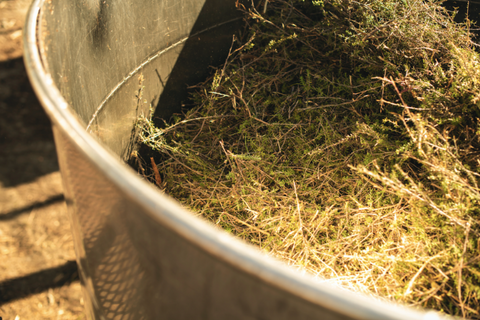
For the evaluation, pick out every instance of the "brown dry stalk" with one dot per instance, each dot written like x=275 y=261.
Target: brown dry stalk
x=158 y=178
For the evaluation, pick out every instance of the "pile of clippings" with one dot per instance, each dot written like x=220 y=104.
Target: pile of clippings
x=343 y=137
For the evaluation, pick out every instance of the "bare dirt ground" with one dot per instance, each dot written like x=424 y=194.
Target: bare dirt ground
x=38 y=275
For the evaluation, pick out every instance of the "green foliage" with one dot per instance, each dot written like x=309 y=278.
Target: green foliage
x=342 y=136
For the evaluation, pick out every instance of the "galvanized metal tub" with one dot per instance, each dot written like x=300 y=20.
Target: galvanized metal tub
x=96 y=65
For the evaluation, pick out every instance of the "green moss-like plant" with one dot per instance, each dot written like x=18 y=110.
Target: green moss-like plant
x=342 y=137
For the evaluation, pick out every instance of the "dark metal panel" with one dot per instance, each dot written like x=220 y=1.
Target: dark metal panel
x=97 y=51
x=92 y=45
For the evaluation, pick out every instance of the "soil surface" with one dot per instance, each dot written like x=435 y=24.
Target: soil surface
x=38 y=273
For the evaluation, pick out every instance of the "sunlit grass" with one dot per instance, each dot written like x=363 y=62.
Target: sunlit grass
x=342 y=137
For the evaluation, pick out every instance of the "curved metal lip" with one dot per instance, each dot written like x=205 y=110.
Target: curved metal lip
x=215 y=242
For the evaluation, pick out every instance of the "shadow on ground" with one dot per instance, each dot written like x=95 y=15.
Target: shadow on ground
x=21 y=287
x=36 y=205
x=27 y=150
x=27 y=153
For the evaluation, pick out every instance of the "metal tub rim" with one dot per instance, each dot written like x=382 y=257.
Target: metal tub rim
x=213 y=241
